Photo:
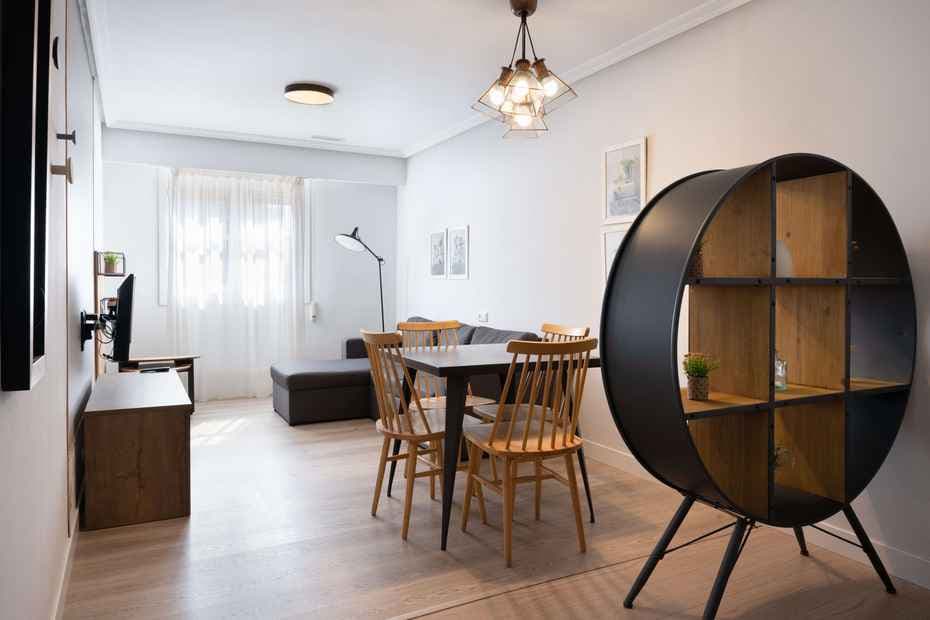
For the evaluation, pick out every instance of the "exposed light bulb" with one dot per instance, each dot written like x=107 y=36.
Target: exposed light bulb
x=520 y=90
x=524 y=120
x=550 y=86
x=496 y=95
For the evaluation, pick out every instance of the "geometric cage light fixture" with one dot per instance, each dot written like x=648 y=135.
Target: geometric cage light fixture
x=525 y=92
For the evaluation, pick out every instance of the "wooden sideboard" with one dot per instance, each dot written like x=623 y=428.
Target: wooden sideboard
x=137 y=450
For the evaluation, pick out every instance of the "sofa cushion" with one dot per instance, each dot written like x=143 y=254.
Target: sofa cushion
x=466 y=332
x=489 y=335
x=317 y=374
x=355 y=348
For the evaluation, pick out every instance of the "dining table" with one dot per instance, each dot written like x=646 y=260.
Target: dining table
x=457 y=365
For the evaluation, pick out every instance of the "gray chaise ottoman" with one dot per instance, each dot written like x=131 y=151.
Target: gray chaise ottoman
x=322 y=390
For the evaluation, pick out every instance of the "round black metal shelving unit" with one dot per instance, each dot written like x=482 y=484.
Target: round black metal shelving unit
x=700 y=263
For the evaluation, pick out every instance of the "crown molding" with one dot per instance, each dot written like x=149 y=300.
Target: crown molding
x=673 y=27
x=257 y=138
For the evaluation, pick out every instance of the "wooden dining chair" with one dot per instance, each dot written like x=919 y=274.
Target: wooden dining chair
x=538 y=426
x=561 y=333
x=402 y=418
x=555 y=333
x=435 y=336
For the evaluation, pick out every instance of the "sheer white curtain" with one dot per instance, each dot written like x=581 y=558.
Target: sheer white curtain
x=235 y=280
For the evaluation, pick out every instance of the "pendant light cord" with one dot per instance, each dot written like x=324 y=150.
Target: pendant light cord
x=530 y=35
x=513 y=56
x=522 y=33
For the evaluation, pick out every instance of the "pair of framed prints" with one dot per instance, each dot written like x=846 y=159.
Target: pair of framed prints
x=624 y=195
x=448 y=254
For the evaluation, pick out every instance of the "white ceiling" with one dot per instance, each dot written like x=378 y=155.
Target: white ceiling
x=405 y=71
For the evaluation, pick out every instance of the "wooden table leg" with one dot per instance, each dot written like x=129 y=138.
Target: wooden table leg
x=455 y=412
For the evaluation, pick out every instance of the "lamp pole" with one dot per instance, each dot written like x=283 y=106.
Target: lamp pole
x=352 y=241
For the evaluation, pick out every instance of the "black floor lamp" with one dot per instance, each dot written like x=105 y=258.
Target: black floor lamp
x=353 y=242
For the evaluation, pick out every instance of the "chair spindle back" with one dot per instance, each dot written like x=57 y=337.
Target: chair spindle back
x=389 y=372
x=562 y=333
x=429 y=336
x=550 y=379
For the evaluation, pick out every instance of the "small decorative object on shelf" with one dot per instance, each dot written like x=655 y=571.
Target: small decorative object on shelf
x=781 y=372
x=782 y=457
x=698 y=367
x=784 y=265
x=110 y=263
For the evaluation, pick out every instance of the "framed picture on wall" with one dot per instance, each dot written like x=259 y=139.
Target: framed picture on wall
x=611 y=238
x=624 y=181
x=437 y=254
x=458 y=253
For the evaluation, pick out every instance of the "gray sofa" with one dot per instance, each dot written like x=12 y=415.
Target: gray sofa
x=307 y=391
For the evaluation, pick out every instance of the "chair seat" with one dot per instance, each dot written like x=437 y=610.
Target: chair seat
x=439 y=402
x=481 y=436
x=489 y=412
x=436 y=418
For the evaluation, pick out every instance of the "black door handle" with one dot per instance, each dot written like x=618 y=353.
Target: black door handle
x=55 y=52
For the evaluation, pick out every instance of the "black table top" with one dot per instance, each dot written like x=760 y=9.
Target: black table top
x=468 y=360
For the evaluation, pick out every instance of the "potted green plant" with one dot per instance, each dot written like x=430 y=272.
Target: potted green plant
x=111 y=262
x=697 y=367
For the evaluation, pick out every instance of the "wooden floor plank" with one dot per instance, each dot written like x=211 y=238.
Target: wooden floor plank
x=280 y=527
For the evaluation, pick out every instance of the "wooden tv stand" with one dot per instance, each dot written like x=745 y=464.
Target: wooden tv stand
x=136 y=450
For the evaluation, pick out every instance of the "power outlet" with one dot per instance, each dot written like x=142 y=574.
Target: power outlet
x=482 y=317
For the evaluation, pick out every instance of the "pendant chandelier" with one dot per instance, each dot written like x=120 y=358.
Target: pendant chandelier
x=525 y=92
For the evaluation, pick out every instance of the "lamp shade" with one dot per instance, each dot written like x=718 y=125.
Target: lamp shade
x=351 y=241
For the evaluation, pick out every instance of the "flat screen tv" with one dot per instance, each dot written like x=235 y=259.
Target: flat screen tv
x=122 y=331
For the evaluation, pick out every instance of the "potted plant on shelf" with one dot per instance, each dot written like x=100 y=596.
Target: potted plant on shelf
x=697 y=367
x=110 y=262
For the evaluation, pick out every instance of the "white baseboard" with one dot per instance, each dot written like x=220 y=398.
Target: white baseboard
x=66 y=573
x=621 y=459
x=899 y=563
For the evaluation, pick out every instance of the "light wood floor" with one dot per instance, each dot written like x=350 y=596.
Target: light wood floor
x=281 y=528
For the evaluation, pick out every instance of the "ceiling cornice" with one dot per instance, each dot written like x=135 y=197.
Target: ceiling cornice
x=673 y=27
x=250 y=137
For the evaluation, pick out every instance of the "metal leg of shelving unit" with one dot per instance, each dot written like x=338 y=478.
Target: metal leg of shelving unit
x=869 y=549
x=735 y=546
x=659 y=551
x=799 y=534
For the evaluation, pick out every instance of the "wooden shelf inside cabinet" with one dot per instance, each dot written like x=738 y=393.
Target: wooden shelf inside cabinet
x=718 y=401
x=724 y=281
x=813 y=458
x=876 y=385
x=796 y=391
x=811 y=214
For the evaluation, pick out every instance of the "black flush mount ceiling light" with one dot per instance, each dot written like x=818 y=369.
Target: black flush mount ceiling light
x=309 y=93
x=525 y=92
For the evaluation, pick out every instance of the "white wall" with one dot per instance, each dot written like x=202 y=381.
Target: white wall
x=238 y=156
x=847 y=79
x=345 y=284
